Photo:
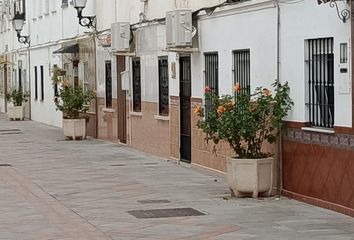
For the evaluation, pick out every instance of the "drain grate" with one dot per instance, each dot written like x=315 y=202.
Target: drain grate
x=150 y=163
x=153 y=201
x=5 y=165
x=165 y=213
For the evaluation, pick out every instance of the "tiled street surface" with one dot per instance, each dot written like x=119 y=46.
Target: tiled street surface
x=61 y=190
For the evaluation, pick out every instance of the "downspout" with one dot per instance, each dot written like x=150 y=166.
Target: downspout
x=29 y=78
x=29 y=71
x=280 y=140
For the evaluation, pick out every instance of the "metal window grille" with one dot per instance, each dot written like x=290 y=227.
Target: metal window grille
x=108 y=70
x=242 y=70
x=163 y=87
x=211 y=76
x=136 y=86
x=35 y=83
x=42 y=83
x=320 y=64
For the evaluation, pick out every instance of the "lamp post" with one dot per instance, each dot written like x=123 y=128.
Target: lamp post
x=85 y=21
x=17 y=23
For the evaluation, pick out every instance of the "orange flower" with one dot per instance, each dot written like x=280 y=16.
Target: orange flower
x=207 y=89
x=266 y=92
x=221 y=110
x=198 y=110
x=65 y=83
x=237 y=87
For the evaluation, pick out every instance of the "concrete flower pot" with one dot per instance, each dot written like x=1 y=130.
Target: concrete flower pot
x=74 y=129
x=250 y=177
x=16 y=113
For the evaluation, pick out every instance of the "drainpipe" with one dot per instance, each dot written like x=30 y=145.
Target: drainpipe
x=279 y=145
x=29 y=80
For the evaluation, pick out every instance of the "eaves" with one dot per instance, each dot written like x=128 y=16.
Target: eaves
x=248 y=6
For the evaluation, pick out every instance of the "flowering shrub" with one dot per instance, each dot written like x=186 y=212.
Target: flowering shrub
x=71 y=100
x=17 y=97
x=245 y=121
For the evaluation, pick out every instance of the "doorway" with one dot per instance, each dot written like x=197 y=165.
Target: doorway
x=185 y=108
x=121 y=104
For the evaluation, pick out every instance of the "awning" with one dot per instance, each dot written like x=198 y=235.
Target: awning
x=68 y=49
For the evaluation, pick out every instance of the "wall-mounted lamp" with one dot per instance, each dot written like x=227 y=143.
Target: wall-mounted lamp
x=17 y=23
x=85 y=21
x=343 y=14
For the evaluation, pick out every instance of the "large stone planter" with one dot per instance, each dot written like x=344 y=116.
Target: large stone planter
x=250 y=177
x=16 y=113
x=74 y=129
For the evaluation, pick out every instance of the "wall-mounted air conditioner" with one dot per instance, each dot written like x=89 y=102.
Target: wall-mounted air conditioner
x=179 y=29
x=120 y=37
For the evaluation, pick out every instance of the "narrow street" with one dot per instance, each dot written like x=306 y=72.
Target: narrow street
x=65 y=190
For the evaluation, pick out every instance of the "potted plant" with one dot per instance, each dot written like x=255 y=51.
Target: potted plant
x=72 y=101
x=246 y=121
x=17 y=111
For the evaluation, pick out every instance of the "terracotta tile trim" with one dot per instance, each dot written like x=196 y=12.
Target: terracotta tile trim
x=344 y=130
x=323 y=139
x=297 y=125
x=320 y=203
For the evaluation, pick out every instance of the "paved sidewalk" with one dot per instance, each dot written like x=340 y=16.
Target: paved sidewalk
x=62 y=190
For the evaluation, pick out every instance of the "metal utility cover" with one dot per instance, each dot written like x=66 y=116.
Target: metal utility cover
x=165 y=213
x=154 y=201
x=10 y=130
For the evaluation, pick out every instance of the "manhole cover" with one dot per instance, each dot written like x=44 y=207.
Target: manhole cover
x=118 y=165
x=10 y=130
x=165 y=213
x=154 y=201
x=5 y=165
x=11 y=133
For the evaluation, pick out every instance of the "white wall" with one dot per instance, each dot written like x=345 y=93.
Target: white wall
x=44 y=111
x=315 y=21
x=252 y=28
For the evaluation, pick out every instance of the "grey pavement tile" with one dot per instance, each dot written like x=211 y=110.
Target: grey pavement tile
x=80 y=193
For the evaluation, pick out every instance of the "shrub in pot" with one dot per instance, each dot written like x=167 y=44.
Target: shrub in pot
x=17 y=97
x=72 y=101
x=246 y=122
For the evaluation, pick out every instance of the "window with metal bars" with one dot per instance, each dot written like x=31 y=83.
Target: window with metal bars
x=136 y=86
x=320 y=75
x=42 y=83
x=163 y=87
x=211 y=76
x=35 y=82
x=108 y=71
x=242 y=70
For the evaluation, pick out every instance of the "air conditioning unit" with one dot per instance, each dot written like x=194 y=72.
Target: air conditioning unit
x=120 y=37
x=179 y=29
